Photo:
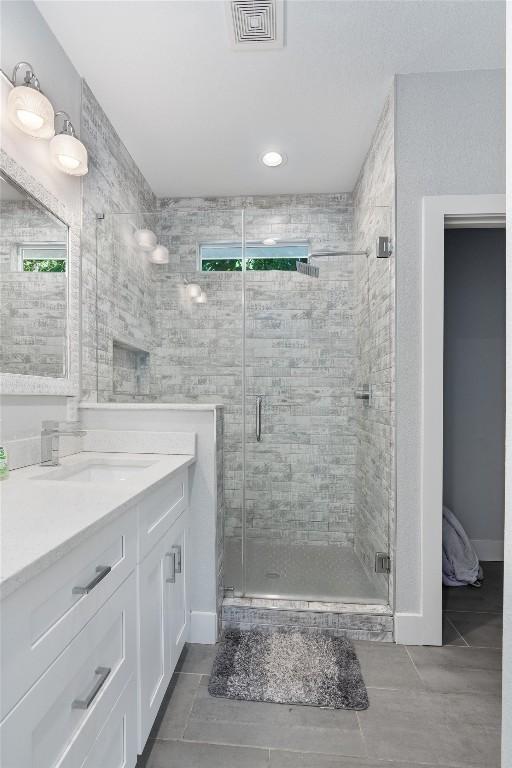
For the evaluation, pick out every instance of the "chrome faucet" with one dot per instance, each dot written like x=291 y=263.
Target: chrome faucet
x=50 y=433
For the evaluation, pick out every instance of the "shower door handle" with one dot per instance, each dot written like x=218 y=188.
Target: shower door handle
x=258 y=418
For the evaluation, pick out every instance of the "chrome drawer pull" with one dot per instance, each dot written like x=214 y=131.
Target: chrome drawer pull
x=177 y=551
x=172 y=577
x=103 y=673
x=102 y=571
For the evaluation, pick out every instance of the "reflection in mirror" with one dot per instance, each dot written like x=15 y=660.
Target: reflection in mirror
x=33 y=285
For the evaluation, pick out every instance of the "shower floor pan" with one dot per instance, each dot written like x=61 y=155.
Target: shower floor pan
x=308 y=572
x=304 y=585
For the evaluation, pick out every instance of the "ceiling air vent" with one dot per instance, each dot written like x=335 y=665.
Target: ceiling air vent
x=255 y=24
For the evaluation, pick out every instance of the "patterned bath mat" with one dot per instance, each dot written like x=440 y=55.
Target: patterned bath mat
x=288 y=667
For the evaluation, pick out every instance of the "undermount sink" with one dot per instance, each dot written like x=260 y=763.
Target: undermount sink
x=97 y=471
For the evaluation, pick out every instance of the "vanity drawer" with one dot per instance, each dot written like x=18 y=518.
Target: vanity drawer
x=158 y=510
x=67 y=708
x=116 y=744
x=46 y=613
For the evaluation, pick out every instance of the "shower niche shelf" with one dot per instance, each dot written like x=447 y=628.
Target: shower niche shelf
x=130 y=368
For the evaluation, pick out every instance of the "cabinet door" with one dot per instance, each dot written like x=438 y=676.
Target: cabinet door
x=116 y=745
x=154 y=670
x=163 y=619
x=178 y=612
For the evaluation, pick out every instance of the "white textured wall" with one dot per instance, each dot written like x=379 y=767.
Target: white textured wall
x=450 y=139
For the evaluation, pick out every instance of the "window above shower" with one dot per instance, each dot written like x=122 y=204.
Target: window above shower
x=228 y=257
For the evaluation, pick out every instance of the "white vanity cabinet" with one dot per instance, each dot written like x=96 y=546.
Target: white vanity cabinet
x=41 y=618
x=164 y=616
x=57 y=722
x=89 y=644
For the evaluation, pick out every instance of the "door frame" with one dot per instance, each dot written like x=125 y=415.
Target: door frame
x=438 y=213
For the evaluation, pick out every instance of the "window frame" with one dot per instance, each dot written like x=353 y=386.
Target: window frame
x=48 y=246
x=250 y=244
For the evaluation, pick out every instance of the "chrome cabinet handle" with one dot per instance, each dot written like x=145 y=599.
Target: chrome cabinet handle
x=177 y=553
x=102 y=673
x=258 y=418
x=172 y=577
x=101 y=571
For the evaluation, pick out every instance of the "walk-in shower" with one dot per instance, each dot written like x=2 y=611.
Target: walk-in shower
x=303 y=367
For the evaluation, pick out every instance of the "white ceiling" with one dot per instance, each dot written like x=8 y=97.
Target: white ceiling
x=196 y=115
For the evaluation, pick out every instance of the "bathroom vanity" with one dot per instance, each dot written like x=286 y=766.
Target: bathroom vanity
x=94 y=604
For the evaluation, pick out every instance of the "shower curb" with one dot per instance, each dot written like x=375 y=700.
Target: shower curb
x=355 y=621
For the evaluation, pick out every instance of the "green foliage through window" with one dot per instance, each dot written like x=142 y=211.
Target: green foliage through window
x=235 y=265
x=44 y=265
x=227 y=257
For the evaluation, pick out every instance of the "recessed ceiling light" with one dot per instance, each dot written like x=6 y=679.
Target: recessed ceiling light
x=273 y=159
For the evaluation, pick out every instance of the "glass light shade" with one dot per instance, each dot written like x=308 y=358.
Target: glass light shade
x=272 y=159
x=193 y=290
x=160 y=255
x=270 y=241
x=145 y=239
x=202 y=298
x=31 y=112
x=68 y=154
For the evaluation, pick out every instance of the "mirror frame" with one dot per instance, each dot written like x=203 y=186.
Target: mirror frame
x=68 y=385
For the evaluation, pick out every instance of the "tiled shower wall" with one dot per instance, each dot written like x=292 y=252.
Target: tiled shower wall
x=117 y=288
x=300 y=355
x=323 y=471
x=375 y=317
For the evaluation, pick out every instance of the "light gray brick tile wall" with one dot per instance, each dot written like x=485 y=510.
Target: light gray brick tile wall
x=117 y=287
x=300 y=350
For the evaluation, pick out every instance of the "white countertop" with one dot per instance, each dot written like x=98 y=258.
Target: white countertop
x=41 y=520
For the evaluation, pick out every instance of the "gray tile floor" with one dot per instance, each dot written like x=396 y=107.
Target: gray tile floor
x=428 y=706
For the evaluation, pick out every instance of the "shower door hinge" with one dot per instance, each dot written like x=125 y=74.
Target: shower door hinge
x=384 y=247
x=100 y=216
x=382 y=562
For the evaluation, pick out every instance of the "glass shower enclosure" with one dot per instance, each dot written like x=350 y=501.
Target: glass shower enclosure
x=272 y=312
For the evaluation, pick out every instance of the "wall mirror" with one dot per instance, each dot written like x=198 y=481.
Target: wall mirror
x=38 y=289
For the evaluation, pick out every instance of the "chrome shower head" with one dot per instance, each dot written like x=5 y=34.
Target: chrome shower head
x=307 y=269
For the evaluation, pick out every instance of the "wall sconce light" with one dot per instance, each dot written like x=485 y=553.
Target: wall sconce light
x=160 y=255
x=67 y=153
x=202 y=298
x=145 y=239
x=193 y=290
x=27 y=106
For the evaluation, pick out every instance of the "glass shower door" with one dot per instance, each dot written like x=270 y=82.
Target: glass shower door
x=303 y=505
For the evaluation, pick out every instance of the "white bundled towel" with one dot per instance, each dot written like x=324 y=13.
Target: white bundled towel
x=460 y=561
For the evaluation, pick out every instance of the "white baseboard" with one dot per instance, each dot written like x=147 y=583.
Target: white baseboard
x=203 y=627
x=415 y=629
x=488 y=549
